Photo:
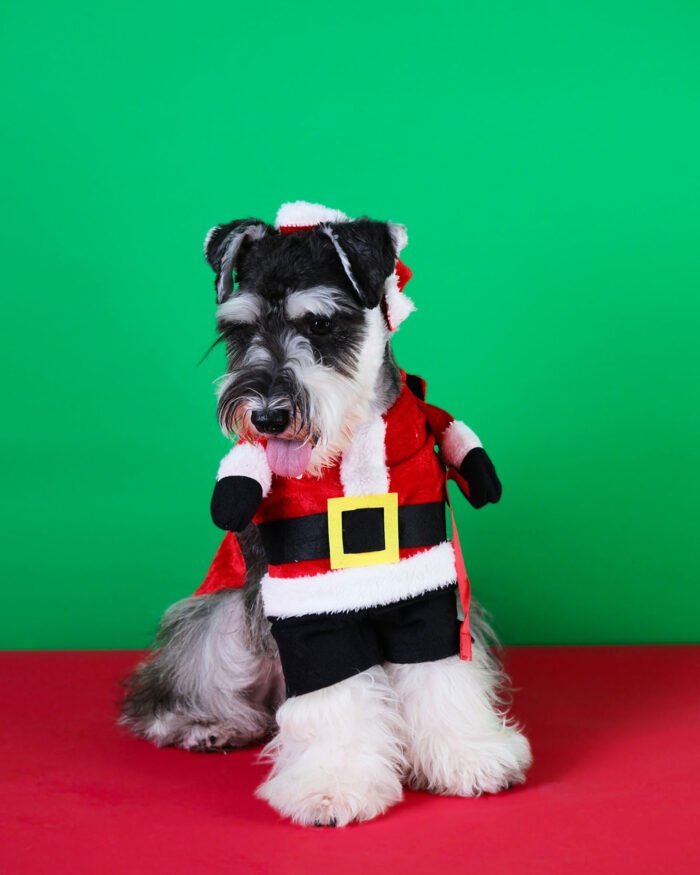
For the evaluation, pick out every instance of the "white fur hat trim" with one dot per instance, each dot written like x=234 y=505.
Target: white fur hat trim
x=301 y=214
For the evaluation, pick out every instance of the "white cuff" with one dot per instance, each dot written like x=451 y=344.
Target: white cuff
x=353 y=589
x=456 y=441
x=247 y=460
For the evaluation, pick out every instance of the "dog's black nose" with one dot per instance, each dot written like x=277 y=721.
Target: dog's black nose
x=270 y=421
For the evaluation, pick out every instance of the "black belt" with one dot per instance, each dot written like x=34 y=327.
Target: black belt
x=306 y=537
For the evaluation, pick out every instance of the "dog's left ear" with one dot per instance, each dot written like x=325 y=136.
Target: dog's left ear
x=368 y=251
x=223 y=245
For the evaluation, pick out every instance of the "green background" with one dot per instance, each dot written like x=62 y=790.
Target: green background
x=544 y=157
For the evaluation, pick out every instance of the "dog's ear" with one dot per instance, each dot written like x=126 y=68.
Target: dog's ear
x=223 y=245
x=368 y=251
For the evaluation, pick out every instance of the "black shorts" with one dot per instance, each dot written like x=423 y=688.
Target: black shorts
x=322 y=649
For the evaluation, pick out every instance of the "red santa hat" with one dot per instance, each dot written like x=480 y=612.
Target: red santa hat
x=301 y=216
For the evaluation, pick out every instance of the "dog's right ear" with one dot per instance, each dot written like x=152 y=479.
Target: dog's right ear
x=367 y=251
x=223 y=245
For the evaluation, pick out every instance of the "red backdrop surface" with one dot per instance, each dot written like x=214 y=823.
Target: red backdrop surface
x=615 y=786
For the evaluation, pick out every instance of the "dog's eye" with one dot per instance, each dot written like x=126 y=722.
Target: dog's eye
x=320 y=325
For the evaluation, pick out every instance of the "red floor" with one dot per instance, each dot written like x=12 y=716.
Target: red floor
x=615 y=786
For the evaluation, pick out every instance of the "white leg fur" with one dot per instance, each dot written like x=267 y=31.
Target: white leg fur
x=458 y=742
x=338 y=756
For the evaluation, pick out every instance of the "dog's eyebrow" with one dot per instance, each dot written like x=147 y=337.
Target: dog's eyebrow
x=316 y=301
x=243 y=308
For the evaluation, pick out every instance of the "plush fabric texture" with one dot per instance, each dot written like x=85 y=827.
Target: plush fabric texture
x=415 y=474
x=367 y=586
x=246 y=460
x=410 y=431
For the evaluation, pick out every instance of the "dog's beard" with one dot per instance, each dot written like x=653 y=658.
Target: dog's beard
x=237 y=402
x=326 y=404
x=325 y=423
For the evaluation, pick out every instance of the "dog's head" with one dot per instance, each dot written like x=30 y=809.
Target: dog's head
x=303 y=318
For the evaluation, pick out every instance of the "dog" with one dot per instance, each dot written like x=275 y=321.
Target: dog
x=343 y=648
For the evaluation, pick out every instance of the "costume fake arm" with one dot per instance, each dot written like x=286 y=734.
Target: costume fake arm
x=462 y=452
x=243 y=480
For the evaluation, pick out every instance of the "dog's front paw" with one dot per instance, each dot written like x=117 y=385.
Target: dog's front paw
x=488 y=764
x=339 y=754
x=321 y=797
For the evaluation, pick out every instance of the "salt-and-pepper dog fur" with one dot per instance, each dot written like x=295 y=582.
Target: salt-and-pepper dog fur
x=213 y=680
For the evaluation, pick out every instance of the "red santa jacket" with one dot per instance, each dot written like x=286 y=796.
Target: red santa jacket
x=390 y=455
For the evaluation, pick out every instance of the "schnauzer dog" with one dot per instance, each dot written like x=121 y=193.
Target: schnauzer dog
x=334 y=622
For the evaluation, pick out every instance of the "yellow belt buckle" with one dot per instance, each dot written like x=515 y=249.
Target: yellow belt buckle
x=389 y=503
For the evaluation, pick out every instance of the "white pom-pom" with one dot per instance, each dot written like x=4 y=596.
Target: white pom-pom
x=398 y=305
x=300 y=214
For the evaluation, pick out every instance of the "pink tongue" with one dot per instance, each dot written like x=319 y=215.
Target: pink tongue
x=288 y=458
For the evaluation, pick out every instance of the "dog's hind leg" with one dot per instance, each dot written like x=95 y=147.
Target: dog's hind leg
x=338 y=756
x=213 y=680
x=459 y=741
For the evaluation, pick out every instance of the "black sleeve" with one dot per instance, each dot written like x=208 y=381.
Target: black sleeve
x=234 y=502
x=484 y=486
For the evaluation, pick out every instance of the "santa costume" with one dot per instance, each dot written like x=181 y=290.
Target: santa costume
x=360 y=567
